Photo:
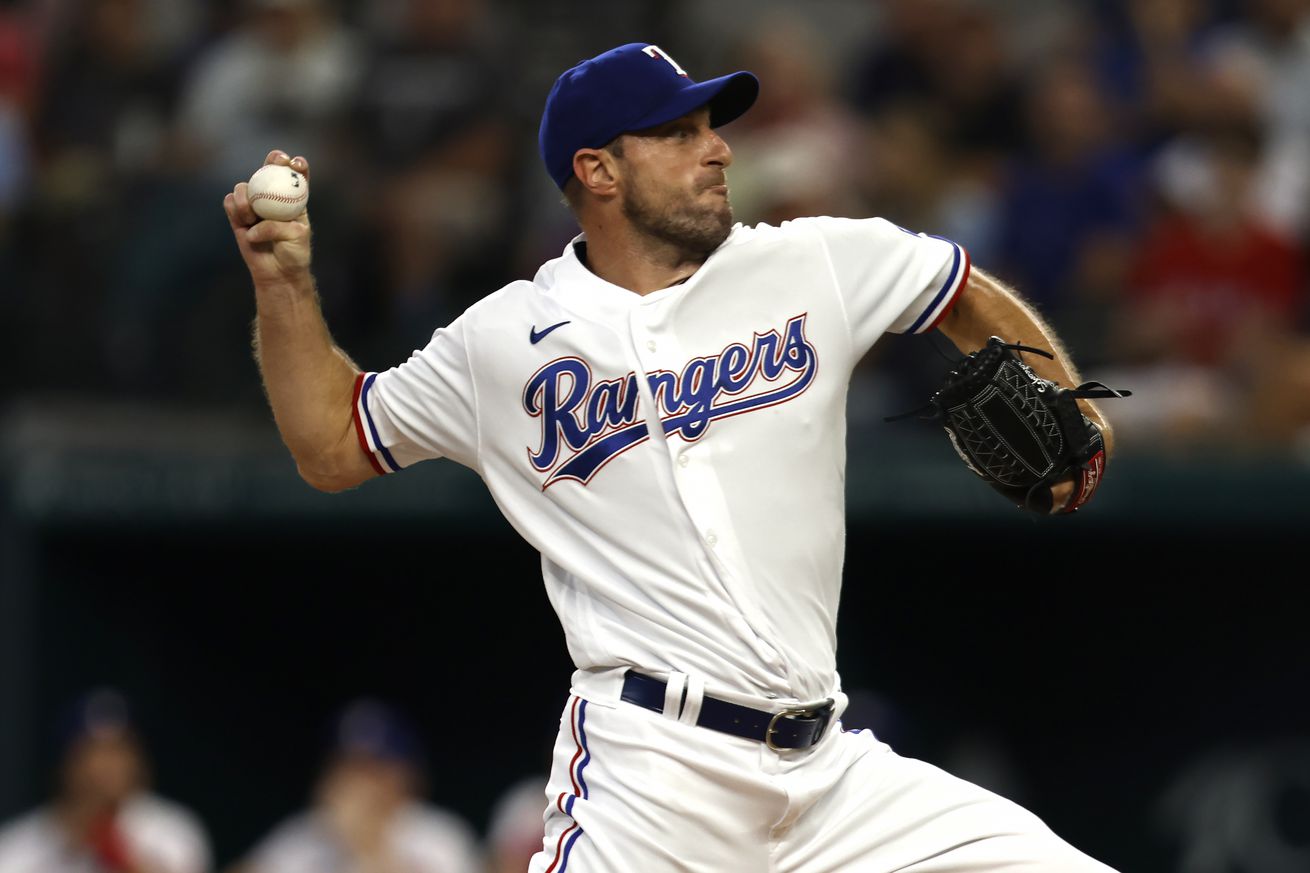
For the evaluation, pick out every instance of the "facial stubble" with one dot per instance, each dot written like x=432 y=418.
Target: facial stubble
x=682 y=220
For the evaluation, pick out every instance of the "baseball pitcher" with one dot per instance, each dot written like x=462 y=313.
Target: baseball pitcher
x=660 y=411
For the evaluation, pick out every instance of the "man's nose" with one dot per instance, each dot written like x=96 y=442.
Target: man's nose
x=718 y=152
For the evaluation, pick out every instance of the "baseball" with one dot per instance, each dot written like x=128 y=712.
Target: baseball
x=278 y=192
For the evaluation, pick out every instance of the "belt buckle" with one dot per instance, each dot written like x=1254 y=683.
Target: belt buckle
x=821 y=710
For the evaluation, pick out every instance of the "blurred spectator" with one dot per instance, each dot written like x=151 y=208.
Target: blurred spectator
x=283 y=79
x=1215 y=297
x=942 y=92
x=517 y=828
x=794 y=153
x=433 y=77
x=1070 y=208
x=107 y=106
x=976 y=86
x=915 y=177
x=1265 y=57
x=898 y=66
x=366 y=813
x=99 y=132
x=953 y=55
x=437 y=161
x=103 y=819
x=18 y=73
x=1150 y=59
x=1210 y=272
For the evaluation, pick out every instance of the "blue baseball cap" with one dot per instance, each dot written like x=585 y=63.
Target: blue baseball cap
x=98 y=712
x=632 y=87
x=372 y=729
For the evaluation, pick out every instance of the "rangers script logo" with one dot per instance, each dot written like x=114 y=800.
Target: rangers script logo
x=586 y=424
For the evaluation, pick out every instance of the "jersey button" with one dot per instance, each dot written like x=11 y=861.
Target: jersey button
x=711 y=538
x=650 y=344
x=683 y=460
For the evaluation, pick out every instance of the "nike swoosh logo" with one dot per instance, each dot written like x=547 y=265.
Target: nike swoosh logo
x=537 y=336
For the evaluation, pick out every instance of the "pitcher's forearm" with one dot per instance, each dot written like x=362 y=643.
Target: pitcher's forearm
x=309 y=382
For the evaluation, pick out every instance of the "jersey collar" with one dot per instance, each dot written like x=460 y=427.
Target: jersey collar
x=569 y=281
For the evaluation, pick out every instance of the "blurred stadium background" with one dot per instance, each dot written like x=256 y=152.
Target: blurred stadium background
x=1137 y=675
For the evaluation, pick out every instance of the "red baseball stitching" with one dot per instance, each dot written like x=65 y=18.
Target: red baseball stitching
x=281 y=198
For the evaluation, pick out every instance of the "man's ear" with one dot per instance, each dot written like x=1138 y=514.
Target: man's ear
x=597 y=170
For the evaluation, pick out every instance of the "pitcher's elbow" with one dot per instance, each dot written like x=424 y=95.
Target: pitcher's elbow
x=325 y=475
x=328 y=484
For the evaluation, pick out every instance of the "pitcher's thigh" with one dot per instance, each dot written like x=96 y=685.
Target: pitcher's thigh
x=889 y=813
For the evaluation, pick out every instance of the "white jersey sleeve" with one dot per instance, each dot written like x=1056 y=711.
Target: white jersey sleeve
x=425 y=408
x=167 y=836
x=889 y=279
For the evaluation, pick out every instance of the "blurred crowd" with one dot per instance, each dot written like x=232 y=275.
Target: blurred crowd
x=1139 y=169
x=366 y=813
x=377 y=802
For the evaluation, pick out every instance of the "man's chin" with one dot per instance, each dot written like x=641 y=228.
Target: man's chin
x=726 y=221
x=699 y=228
x=719 y=211
x=716 y=228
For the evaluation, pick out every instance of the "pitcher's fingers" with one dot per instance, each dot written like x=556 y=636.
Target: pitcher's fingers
x=277 y=156
x=301 y=165
x=234 y=215
x=277 y=231
x=230 y=207
x=241 y=199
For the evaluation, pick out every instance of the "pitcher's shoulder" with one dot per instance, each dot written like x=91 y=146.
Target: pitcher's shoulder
x=802 y=229
x=516 y=296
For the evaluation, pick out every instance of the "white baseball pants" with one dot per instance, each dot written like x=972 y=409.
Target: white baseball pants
x=634 y=791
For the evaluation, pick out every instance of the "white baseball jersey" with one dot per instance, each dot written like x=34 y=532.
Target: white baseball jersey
x=715 y=548
x=161 y=834
x=422 y=839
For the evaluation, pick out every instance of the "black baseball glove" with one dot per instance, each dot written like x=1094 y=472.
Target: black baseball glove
x=1022 y=434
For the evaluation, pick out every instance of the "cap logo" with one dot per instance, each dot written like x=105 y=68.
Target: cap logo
x=656 y=52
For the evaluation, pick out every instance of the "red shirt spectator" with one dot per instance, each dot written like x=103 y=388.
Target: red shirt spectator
x=1208 y=286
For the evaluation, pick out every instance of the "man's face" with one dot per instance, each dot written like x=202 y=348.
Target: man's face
x=104 y=767
x=674 y=186
x=375 y=784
